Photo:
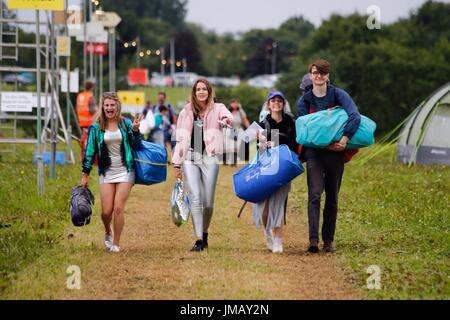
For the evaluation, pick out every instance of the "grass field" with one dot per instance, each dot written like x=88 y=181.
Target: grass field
x=392 y=216
x=398 y=218
x=176 y=96
x=30 y=225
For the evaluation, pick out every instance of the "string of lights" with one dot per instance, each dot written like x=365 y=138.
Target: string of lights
x=148 y=52
x=142 y=53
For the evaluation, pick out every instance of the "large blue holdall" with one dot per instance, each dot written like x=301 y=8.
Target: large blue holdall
x=150 y=163
x=324 y=127
x=257 y=180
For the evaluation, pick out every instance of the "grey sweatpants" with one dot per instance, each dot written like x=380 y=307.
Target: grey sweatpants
x=201 y=178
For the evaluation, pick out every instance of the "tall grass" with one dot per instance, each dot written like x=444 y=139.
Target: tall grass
x=398 y=218
x=30 y=224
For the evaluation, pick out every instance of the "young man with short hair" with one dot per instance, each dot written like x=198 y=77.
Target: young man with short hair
x=325 y=167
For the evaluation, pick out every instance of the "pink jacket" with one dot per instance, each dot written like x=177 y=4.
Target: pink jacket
x=213 y=135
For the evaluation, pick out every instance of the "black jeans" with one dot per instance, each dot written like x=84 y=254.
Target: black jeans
x=324 y=172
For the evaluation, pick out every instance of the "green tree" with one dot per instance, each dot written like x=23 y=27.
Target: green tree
x=171 y=11
x=299 y=26
x=187 y=48
x=388 y=72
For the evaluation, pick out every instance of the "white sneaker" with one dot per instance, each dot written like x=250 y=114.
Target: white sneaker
x=114 y=248
x=108 y=241
x=269 y=240
x=277 y=246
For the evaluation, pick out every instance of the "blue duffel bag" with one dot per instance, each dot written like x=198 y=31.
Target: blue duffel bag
x=257 y=180
x=324 y=127
x=150 y=163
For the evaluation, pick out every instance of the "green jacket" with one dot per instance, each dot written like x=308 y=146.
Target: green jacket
x=97 y=146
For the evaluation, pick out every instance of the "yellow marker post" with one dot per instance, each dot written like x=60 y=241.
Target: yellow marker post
x=63 y=46
x=51 y=5
x=131 y=101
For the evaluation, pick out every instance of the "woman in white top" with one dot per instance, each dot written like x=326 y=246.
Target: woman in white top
x=111 y=139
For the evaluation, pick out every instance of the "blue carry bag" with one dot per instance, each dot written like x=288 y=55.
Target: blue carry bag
x=150 y=163
x=324 y=127
x=257 y=180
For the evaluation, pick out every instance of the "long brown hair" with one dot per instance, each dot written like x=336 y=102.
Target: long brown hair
x=100 y=116
x=194 y=102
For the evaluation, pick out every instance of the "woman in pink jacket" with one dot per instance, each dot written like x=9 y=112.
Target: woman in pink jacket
x=199 y=144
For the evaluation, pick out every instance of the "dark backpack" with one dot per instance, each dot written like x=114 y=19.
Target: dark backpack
x=81 y=201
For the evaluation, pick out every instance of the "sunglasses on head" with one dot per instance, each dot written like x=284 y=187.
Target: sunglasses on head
x=109 y=93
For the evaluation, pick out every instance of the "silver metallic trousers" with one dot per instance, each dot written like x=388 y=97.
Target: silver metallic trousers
x=201 y=173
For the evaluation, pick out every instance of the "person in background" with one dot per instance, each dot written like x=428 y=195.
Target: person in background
x=199 y=143
x=325 y=167
x=147 y=108
x=112 y=139
x=147 y=115
x=279 y=129
x=162 y=124
x=232 y=135
x=86 y=108
x=172 y=115
x=306 y=84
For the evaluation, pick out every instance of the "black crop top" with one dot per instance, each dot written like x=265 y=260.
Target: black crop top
x=197 y=134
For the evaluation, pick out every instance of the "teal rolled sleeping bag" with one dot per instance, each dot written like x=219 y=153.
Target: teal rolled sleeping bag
x=322 y=128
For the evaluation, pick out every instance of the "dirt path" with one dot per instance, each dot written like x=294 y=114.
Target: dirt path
x=155 y=262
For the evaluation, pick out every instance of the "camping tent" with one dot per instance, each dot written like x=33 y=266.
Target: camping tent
x=425 y=138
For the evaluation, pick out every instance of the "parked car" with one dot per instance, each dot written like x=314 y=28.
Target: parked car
x=224 y=82
x=158 y=80
x=267 y=81
x=22 y=78
x=184 y=79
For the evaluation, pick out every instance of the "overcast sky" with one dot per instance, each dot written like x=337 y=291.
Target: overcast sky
x=243 y=15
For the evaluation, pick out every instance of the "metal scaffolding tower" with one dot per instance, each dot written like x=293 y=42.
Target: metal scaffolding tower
x=48 y=131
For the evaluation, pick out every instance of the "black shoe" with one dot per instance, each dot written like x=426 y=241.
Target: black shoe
x=328 y=247
x=205 y=240
x=313 y=246
x=198 y=246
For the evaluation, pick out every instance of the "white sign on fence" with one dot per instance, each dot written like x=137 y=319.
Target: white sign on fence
x=73 y=81
x=93 y=31
x=102 y=38
x=44 y=98
x=16 y=101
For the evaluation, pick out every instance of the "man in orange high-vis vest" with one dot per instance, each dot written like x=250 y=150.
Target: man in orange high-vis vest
x=86 y=109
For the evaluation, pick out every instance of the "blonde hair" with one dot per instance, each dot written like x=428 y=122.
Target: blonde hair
x=194 y=102
x=100 y=116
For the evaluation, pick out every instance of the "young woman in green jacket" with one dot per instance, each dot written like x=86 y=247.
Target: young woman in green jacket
x=111 y=139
